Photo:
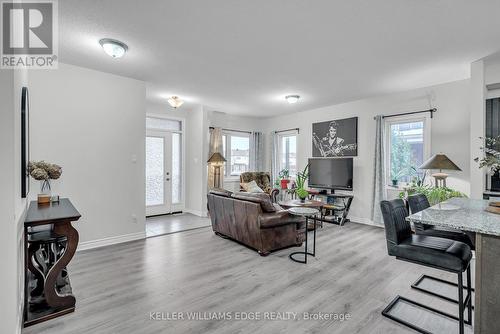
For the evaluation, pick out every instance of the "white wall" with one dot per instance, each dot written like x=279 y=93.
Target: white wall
x=196 y=161
x=450 y=133
x=12 y=206
x=93 y=125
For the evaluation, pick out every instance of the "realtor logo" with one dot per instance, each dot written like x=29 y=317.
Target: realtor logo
x=29 y=34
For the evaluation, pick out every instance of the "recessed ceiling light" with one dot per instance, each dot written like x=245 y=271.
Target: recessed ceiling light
x=175 y=102
x=292 y=98
x=113 y=48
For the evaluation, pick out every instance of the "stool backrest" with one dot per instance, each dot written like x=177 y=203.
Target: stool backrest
x=418 y=202
x=397 y=228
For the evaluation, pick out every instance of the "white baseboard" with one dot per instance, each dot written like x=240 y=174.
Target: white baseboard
x=110 y=241
x=196 y=212
x=364 y=221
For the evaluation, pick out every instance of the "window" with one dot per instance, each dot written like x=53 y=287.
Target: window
x=287 y=153
x=408 y=146
x=236 y=148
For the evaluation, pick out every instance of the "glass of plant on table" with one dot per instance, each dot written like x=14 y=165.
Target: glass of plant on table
x=44 y=172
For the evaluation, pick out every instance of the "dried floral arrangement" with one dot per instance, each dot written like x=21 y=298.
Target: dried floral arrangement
x=491 y=150
x=44 y=171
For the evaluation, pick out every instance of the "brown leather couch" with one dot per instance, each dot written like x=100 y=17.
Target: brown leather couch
x=254 y=221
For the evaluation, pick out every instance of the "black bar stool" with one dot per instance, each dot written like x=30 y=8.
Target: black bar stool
x=445 y=254
x=44 y=249
x=420 y=202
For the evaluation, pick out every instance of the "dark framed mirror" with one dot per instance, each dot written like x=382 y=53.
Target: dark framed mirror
x=25 y=147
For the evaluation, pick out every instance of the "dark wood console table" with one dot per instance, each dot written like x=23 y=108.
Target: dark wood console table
x=56 y=299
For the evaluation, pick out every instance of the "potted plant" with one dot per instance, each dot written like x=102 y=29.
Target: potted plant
x=300 y=181
x=284 y=175
x=435 y=195
x=44 y=172
x=396 y=176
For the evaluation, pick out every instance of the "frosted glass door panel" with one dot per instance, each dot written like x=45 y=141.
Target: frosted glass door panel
x=155 y=164
x=176 y=168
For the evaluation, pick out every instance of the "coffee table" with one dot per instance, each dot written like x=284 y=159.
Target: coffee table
x=307 y=213
x=308 y=203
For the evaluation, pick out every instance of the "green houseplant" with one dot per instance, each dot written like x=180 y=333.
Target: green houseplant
x=300 y=181
x=435 y=195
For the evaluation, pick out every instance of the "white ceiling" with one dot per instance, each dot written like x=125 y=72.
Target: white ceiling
x=243 y=56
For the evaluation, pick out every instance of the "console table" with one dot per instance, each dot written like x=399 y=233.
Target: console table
x=342 y=210
x=57 y=299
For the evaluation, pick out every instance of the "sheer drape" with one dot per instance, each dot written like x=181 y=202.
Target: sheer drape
x=256 y=152
x=379 y=192
x=215 y=145
x=274 y=156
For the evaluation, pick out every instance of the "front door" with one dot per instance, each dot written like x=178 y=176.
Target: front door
x=158 y=172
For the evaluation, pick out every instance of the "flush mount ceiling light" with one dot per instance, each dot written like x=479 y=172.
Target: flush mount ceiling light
x=113 y=48
x=292 y=98
x=175 y=102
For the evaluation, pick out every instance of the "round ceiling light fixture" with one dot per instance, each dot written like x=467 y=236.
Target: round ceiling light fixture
x=175 y=102
x=113 y=47
x=292 y=98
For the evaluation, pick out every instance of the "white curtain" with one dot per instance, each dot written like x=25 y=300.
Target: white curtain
x=215 y=145
x=274 y=156
x=256 y=152
x=379 y=192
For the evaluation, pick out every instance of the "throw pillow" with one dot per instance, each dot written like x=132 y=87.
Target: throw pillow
x=252 y=187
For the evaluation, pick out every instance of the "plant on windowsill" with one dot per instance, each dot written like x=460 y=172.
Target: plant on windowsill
x=300 y=181
x=396 y=176
x=283 y=178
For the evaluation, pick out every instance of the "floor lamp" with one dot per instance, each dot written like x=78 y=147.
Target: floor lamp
x=216 y=160
x=440 y=161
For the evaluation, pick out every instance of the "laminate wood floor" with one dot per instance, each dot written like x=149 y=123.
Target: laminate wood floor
x=174 y=223
x=118 y=287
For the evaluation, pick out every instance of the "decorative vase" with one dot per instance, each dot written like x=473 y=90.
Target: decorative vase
x=302 y=200
x=45 y=187
x=284 y=183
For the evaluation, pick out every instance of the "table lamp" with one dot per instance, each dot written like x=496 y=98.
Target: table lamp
x=216 y=160
x=440 y=161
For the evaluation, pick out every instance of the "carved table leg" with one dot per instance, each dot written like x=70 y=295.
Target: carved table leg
x=51 y=295
x=37 y=272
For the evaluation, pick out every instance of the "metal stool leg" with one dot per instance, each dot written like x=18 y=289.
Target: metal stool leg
x=469 y=293
x=460 y=304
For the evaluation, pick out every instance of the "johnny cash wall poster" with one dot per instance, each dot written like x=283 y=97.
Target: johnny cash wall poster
x=337 y=138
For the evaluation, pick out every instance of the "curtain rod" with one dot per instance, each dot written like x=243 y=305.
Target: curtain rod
x=278 y=131
x=431 y=111
x=211 y=128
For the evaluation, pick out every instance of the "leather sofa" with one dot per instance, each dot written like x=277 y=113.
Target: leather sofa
x=253 y=220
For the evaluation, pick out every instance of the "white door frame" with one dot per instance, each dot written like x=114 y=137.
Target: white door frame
x=174 y=207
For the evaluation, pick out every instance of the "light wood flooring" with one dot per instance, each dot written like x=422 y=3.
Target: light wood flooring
x=174 y=223
x=117 y=287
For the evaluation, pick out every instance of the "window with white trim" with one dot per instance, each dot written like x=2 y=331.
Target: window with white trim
x=287 y=152
x=407 y=147
x=236 y=148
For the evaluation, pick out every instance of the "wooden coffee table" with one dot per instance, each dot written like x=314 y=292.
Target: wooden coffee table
x=308 y=203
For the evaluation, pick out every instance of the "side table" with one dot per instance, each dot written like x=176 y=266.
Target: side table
x=307 y=213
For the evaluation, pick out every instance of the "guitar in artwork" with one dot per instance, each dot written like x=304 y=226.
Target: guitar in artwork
x=327 y=150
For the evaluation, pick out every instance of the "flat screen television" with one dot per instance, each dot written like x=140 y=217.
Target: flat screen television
x=330 y=173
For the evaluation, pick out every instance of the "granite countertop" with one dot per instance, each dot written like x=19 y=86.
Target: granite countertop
x=460 y=213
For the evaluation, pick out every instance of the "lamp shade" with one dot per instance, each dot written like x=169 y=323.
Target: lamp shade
x=216 y=158
x=439 y=161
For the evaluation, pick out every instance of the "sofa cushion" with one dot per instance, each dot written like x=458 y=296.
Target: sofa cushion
x=262 y=198
x=221 y=192
x=251 y=187
x=262 y=179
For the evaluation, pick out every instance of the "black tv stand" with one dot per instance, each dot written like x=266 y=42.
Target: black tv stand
x=339 y=212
